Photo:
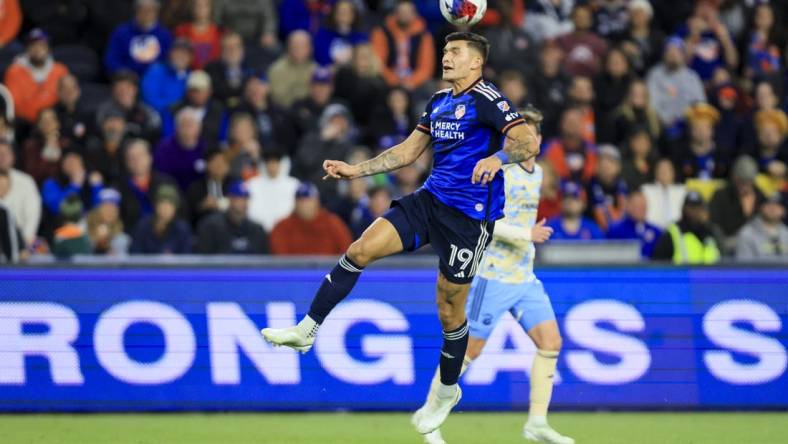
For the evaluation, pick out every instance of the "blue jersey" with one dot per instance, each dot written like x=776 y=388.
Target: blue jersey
x=466 y=128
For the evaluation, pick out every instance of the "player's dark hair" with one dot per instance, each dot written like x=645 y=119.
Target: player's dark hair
x=475 y=41
x=533 y=116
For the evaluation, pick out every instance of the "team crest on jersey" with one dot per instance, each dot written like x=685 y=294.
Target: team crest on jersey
x=503 y=106
x=459 y=111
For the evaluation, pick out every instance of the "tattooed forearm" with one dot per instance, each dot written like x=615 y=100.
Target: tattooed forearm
x=521 y=144
x=521 y=148
x=388 y=160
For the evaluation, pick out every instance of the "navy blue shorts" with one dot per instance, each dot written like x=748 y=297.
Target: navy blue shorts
x=421 y=219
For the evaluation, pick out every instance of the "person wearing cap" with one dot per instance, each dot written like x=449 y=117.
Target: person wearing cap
x=634 y=225
x=164 y=83
x=736 y=203
x=641 y=41
x=103 y=150
x=141 y=120
x=274 y=125
x=772 y=132
x=140 y=183
x=291 y=73
x=728 y=131
x=693 y=239
x=571 y=224
x=199 y=96
x=697 y=155
x=70 y=238
x=202 y=32
x=163 y=232
x=227 y=73
x=272 y=192
x=765 y=236
x=231 y=231
x=181 y=155
x=673 y=87
x=607 y=190
x=310 y=229
x=208 y=194
x=140 y=42
x=21 y=196
x=33 y=77
x=105 y=228
x=307 y=111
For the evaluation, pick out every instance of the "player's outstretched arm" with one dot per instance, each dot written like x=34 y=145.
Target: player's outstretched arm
x=395 y=157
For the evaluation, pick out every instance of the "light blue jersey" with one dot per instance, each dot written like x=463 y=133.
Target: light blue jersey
x=506 y=280
x=505 y=261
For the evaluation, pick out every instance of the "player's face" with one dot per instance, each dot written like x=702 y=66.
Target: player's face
x=458 y=60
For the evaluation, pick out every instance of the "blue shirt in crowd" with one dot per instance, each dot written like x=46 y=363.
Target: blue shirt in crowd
x=644 y=232
x=589 y=230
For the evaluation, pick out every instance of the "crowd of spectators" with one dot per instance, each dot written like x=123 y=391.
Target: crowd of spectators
x=200 y=126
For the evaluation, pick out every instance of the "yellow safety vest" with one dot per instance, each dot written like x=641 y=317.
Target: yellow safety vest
x=688 y=249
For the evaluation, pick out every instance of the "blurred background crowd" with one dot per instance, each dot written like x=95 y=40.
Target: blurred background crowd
x=200 y=126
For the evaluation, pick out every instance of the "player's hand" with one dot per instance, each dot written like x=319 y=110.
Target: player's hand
x=486 y=169
x=540 y=233
x=337 y=169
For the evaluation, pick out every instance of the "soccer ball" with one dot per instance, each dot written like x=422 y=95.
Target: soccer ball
x=463 y=12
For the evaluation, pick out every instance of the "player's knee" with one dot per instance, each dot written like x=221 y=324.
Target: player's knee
x=448 y=315
x=550 y=342
x=359 y=253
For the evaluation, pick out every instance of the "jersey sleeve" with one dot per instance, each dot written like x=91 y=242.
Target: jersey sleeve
x=424 y=120
x=498 y=112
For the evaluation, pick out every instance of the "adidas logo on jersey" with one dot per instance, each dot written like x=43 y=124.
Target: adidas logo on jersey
x=461 y=274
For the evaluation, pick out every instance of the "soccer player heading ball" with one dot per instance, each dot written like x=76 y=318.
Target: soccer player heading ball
x=474 y=131
x=506 y=282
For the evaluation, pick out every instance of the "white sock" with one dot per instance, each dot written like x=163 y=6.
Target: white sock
x=309 y=326
x=446 y=391
x=537 y=419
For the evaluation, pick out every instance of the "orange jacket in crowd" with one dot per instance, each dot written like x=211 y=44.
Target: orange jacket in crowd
x=407 y=56
x=556 y=154
x=10 y=20
x=325 y=234
x=30 y=95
